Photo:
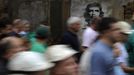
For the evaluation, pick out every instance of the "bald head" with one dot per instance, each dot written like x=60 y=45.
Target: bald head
x=10 y=46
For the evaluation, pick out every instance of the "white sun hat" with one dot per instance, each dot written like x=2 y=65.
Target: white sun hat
x=125 y=27
x=59 y=52
x=28 y=61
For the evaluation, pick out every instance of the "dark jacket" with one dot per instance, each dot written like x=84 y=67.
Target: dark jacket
x=71 y=39
x=3 y=67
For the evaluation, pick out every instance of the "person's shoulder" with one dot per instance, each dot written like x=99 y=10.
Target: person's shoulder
x=67 y=34
x=89 y=30
x=97 y=48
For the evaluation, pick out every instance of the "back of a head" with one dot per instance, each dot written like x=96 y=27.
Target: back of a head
x=42 y=33
x=105 y=24
x=95 y=21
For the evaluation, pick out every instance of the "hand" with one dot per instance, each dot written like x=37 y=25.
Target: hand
x=117 y=52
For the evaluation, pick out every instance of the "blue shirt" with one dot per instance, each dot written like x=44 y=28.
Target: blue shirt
x=102 y=60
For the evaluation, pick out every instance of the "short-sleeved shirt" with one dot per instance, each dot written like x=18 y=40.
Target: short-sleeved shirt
x=89 y=37
x=102 y=61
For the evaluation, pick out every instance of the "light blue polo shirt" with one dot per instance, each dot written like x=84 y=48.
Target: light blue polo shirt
x=102 y=61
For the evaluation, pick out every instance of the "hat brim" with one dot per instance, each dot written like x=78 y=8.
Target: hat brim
x=128 y=32
x=42 y=67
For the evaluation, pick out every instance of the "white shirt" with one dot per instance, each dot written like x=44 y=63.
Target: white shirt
x=123 y=56
x=89 y=37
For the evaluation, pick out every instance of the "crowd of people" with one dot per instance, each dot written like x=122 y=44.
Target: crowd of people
x=106 y=48
x=101 y=52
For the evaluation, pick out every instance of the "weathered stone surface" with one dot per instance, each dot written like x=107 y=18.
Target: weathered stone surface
x=110 y=7
x=33 y=10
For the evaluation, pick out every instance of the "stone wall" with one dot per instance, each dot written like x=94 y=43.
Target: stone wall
x=110 y=7
x=39 y=10
x=33 y=10
x=3 y=8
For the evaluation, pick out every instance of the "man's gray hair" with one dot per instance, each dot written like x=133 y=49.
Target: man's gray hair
x=73 y=20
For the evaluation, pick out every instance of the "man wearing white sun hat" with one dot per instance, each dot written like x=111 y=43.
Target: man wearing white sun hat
x=28 y=63
x=62 y=56
x=123 y=57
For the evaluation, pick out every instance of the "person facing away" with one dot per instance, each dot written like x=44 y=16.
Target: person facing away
x=39 y=41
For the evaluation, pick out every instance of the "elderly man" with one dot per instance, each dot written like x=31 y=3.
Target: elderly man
x=70 y=36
